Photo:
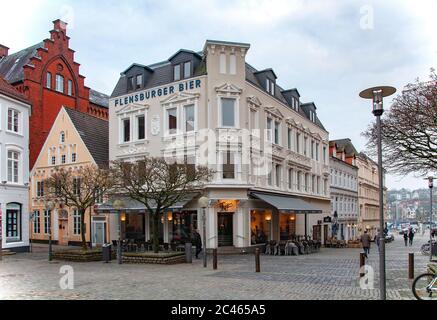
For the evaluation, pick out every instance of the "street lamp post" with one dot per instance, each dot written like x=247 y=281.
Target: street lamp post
x=430 y=185
x=377 y=94
x=118 y=205
x=203 y=202
x=49 y=207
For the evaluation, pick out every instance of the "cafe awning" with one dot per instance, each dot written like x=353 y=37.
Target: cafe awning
x=134 y=206
x=286 y=204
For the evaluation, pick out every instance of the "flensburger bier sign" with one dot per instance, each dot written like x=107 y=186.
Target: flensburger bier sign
x=157 y=92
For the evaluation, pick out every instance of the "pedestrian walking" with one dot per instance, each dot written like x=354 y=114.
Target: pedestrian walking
x=411 y=236
x=197 y=240
x=406 y=238
x=365 y=242
x=377 y=239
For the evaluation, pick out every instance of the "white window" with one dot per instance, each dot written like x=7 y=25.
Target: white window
x=63 y=159
x=36 y=222
x=228 y=113
x=278 y=175
x=317 y=151
x=76 y=186
x=49 y=80
x=141 y=127
x=125 y=130
x=47 y=221
x=277 y=132
x=290 y=179
x=40 y=188
x=269 y=129
x=253 y=119
x=222 y=63
x=13 y=120
x=305 y=146
x=312 y=149
x=270 y=86
x=177 y=72
x=299 y=181
x=73 y=157
x=297 y=142
x=139 y=81
x=290 y=137
x=172 y=120
x=62 y=137
x=228 y=165
x=13 y=166
x=233 y=64
x=59 y=83
x=76 y=222
x=189 y=118
x=53 y=160
x=70 y=87
x=187 y=69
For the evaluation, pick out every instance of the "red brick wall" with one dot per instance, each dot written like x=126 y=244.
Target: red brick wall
x=56 y=58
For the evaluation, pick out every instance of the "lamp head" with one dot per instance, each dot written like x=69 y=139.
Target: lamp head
x=377 y=94
x=203 y=202
x=430 y=182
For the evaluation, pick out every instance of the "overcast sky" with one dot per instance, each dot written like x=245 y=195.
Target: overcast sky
x=329 y=49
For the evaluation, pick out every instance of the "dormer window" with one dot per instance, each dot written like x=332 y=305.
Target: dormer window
x=270 y=86
x=139 y=81
x=187 y=69
x=312 y=116
x=177 y=72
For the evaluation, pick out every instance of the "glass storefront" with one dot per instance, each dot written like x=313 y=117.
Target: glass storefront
x=287 y=226
x=134 y=226
x=181 y=225
x=260 y=226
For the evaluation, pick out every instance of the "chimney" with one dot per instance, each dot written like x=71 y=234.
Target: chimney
x=59 y=25
x=3 y=51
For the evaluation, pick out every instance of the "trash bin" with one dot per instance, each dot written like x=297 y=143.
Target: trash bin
x=106 y=252
x=188 y=252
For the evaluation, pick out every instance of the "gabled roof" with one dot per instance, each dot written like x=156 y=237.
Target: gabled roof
x=346 y=145
x=185 y=51
x=137 y=65
x=266 y=71
x=94 y=133
x=10 y=91
x=11 y=66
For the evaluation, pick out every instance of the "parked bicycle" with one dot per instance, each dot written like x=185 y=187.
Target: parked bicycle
x=425 y=248
x=425 y=287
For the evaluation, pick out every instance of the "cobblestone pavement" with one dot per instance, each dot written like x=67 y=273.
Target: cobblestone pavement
x=329 y=274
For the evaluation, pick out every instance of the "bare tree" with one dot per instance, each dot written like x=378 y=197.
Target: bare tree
x=409 y=130
x=159 y=184
x=79 y=189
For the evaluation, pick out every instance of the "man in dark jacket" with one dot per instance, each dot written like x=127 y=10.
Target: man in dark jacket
x=365 y=241
x=406 y=238
x=197 y=241
x=411 y=236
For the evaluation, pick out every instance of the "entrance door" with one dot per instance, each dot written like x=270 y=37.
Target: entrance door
x=99 y=233
x=63 y=233
x=225 y=229
x=317 y=232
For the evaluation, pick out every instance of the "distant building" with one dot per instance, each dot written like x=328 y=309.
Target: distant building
x=344 y=189
x=75 y=140
x=48 y=75
x=15 y=110
x=368 y=194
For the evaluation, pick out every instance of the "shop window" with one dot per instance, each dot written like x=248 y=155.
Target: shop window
x=13 y=222
x=287 y=226
x=181 y=226
x=260 y=226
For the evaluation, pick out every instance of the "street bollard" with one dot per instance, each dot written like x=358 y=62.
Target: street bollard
x=362 y=263
x=214 y=259
x=411 y=266
x=257 y=263
x=188 y=252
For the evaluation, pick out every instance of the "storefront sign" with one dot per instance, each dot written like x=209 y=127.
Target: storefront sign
x=154 y=93
x=327 y=220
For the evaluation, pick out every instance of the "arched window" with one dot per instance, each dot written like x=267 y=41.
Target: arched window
x=13 y=222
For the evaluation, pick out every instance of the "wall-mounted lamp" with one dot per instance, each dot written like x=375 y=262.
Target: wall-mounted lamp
x=123 y=217
x=170 y=216
x=268 y=218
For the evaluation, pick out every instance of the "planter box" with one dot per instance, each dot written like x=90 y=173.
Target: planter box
x=154 y=258
x=80 y=255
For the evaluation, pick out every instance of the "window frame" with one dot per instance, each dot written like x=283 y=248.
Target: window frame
x=177 y=74
x=69 y=87
x=58 y=81
x=49 y=80
x=15 y=118
x=17 y=222
x=18 y=162
x=236 y=109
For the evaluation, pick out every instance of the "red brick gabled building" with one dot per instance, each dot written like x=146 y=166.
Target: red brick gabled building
x=48 y=76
